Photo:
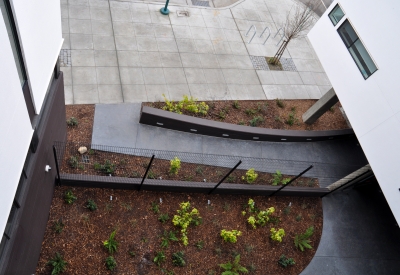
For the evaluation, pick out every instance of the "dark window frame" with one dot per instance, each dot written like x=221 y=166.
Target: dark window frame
x=361 y=60
x=333 y=10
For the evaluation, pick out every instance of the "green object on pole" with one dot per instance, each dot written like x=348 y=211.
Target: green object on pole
x=165 y=10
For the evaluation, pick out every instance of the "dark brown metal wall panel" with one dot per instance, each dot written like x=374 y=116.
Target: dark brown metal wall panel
x=173 y=121
x=31 y=224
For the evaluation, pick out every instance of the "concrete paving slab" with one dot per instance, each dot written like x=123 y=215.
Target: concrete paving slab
x=170 y=59
x=105 y=58
x=134 y=93
x=81 y=42
x=108 y=75
x=84 y=75
x=110 y=94
x=101 y=42
x=85 y=94
x=128 y=59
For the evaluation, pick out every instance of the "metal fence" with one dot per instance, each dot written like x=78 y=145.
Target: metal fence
x=147 y=164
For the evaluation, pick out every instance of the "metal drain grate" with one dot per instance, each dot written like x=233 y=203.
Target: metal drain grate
x=288 y=64
x=201 y=3
x=259 y=62
x=85 y=159
x=65 y=58
x=182 y=13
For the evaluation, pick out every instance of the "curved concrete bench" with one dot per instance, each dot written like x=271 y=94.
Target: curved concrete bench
x=184 y=123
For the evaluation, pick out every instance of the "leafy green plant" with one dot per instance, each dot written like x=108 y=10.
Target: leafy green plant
x=69 y=197
x=252 y=268
x=249 y=248
x=186 y=104
x=199 y=245
x=151 y=175
x=178 y=259
x=236 y=104
x=291 y=118
x=226 y=206
x=251 y=176
x=58 y=264
x=222 y=115
x=230 y=236
x=255 y=121
x=250 y=112
x=186 y=218
x=163 y=218
x=167 y=238
x=106 y=168
x=261 y=216
x=277 y=235
x=302 y=241
x=280 y=103
x=111 y=264
x=159 y=258
x=233 y=268
x=132 y=253
x=277 y=178
x=218 y=251
x=241 y=122
x=72 y=121
x=299 y=217
x=285 y=261
x=58 y=226
x=231 y=179
x=175 y=165
x=155 y=207
x=199 y=170
x=91 y=205
x=286 y=211
x=73 y=162
x=111 y=244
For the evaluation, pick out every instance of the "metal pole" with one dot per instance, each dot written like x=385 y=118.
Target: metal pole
x=292 y=180
x=227 y=175
x=165 y=10
x=352 y=180
x=58 y=170
x=145 y=174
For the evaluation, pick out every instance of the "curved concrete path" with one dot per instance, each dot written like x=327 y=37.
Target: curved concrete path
x=360 y=236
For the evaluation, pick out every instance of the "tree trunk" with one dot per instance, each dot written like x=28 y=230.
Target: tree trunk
x=275 y=60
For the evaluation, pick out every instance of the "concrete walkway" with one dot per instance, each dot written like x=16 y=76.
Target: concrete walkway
x=118 y=51
x=118 y=125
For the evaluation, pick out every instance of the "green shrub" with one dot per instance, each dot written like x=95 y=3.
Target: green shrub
x=57 y=264
x=199 y=245
x=277 y=178
x=186 y=104
x=106 y=168
x=233 y=268
x=178 y=259
x=285 y=261
x=111 y=244
x=111 y=264
x=222 y=115
x=302 y=241
x=159 y=258
x=261 y=217
x=69 y=197
x=167 y=238
x=236 y=104
x=186 y=218
x=163 y=218
x=251 y=176
x=175 y=165
x=73 y=162
x=91 y=205
x=257 y=120
x=277 y=235
x=230 y=236
x=280 y=103
x=291 y=118
x=155 y=207
x=58 y=226
x=72 y=121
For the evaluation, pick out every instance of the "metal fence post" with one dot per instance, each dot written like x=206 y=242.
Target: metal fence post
x=58 y=180
x=343 y=185
x=145 y=174
x=292 y=180
x=227 y=175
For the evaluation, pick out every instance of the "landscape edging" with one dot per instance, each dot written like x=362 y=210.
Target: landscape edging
x=173 y=121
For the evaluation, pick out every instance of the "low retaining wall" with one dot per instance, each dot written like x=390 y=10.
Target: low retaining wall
x=186 y=186
x=184 y=123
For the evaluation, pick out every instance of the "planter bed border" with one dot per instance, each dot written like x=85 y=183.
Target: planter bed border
x=172 y=121
x=92 y=181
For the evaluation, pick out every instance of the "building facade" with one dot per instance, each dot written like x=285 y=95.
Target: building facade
x=359 y=55
x=32 y=117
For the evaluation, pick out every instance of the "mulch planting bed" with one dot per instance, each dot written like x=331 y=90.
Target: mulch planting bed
x=138 y=231
x=267 y=114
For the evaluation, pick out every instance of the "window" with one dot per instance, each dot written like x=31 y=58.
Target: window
x=13 y=37
x=357 y=50
x=336 y=14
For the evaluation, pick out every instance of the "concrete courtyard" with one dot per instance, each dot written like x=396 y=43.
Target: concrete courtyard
x=123 y=51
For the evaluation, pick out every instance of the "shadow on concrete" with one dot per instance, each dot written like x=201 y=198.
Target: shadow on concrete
x=360 y=235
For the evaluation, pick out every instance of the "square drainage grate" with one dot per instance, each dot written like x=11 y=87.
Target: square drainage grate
x=259 y=62
x=85 y=159
x=288 y=64
x=65 y=58
x=201 y=3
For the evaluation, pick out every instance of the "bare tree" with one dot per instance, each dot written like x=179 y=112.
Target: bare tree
x=299 y=19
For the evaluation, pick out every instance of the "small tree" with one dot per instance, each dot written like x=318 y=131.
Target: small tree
x=297 y=22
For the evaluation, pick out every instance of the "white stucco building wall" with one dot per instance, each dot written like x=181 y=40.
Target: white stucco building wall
x=373 y=104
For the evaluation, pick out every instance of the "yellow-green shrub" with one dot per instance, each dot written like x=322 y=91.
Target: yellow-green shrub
x=277 y=235
x=186 y=218
x=186 y=104
x=230 y=236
